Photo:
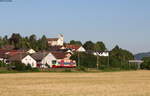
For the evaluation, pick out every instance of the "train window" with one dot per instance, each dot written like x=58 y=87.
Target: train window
x=54 y=62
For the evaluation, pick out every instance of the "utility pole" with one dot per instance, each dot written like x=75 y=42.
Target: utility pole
x=78 y=60
x=97 y=60
x=108 y=60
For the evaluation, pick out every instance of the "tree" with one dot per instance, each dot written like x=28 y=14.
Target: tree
x=15 y=40
x=19 y=66
x=86 y=60
x=99 y=46
x=42 y=43
x=1 y=42
x=33 y=42
x=146 y=63
x=119 y=57
x=89 y=45
x=28 y=67
x=5 y=40
x=73 y=42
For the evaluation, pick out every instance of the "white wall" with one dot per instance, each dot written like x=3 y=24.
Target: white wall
x=29 y=60
x=48 y=59
x=53 y=43
x=59 y=42
x=102 y=54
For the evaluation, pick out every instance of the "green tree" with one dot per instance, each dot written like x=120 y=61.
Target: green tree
x=73 y=42
x=5 y=40
x=42 y=43
x=15 y=40
x=89 y=45
x=99 y=46
x=33 y=42
x=28 y=67
x=85 y=60
x=146 y=63
x=119 y=57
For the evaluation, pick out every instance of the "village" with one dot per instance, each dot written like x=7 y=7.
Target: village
x=58 y=56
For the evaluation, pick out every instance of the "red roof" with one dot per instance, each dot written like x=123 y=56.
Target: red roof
x=52 y=39
x=59 y=55
x=14 y=52
x=2 y=53
x=73 y=47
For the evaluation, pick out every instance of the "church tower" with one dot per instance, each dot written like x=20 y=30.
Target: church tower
x=61 y=40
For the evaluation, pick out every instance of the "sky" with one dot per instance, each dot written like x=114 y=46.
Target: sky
x=115 y=22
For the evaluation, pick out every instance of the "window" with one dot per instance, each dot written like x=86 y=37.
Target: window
x=54 y=62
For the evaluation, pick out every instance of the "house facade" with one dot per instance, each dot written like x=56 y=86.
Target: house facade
x=49 y=59
x=29 y=60
x=23 y=58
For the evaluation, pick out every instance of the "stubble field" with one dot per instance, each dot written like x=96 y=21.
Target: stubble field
x=131 y=83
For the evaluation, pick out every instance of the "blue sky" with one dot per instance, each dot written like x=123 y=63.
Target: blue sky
x=122 y=22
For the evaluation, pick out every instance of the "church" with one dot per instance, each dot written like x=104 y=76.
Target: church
x=56 y=41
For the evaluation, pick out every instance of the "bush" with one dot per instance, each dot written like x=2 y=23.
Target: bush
x=18 y=66
x=28 y=67
x=81 y=68
x=35 y=70
x=67 y=70
x=2 y=64
x=102 y=67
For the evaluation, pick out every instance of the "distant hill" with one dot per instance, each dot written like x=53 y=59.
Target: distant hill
x=139 y=56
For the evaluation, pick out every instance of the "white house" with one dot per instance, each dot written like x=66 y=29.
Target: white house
x=105 y=53
x=81 y=49
x=29 y=60
x=54 y=58
x=49 y=59
x=56 y=41
x=75 y=48
x=24 y=58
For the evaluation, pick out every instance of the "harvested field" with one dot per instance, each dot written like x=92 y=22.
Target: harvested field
x=129 y=83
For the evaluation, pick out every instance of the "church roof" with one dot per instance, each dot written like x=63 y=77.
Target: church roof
x=52 y=39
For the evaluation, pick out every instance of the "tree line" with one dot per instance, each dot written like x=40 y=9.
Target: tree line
x=19 y=42
x=118 y=59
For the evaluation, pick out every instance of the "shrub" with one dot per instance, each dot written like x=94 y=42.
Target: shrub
x=35 y=70
x=18 y=66
x=2 y=64
x=28 y=67
x=81 y=68
x=67 y=70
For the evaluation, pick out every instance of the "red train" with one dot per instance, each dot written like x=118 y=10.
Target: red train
x=65 y=64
